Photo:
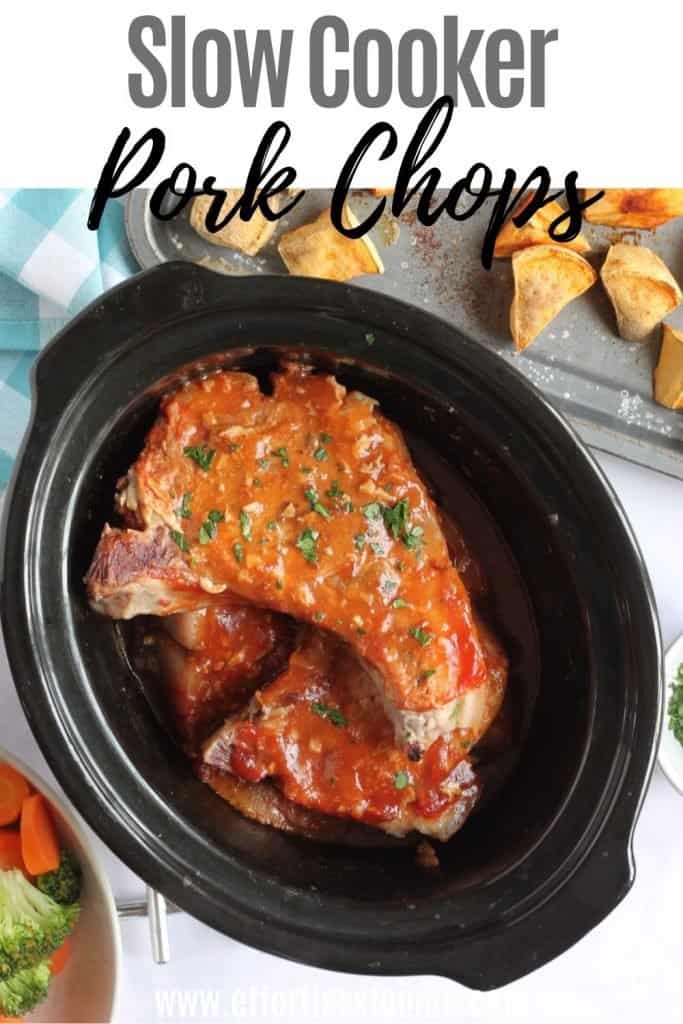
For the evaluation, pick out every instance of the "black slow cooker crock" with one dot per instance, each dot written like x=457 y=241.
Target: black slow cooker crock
x=551 y=854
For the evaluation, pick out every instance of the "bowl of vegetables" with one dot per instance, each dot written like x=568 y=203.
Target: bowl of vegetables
x=671 y=742
x=59 y=935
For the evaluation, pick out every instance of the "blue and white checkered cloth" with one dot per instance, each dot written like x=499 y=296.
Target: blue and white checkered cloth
x=51 y=266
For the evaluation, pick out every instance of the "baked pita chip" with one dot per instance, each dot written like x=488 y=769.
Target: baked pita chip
x=248 y=236
x=635 y=207
x=641 y=288
x=669 y=370
x=547 y=277
x=535 y=231
x=319 y=250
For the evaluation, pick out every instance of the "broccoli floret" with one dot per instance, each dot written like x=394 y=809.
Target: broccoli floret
x=24 y=990
x=64 y=884
x=32 y=926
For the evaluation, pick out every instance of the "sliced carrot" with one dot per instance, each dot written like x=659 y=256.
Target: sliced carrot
x=13 y=791
x=60 y=958
x=39 y=843
x=10 y=850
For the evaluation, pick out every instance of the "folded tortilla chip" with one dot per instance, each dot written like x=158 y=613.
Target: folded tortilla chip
x=547 y=277
x=635 y=207
x=641 y=289
x=248 y=236
x=669 y=370
x=319 y=250
x=535 y=231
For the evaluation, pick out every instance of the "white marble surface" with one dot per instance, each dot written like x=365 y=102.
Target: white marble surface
x=627 y=970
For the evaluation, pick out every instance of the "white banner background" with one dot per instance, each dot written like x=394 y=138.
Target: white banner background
x=613 y=108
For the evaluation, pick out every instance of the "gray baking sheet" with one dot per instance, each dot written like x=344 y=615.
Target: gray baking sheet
x=601 y=383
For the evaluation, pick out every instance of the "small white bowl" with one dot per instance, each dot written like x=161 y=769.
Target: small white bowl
x=670 y=750
x=87 y=988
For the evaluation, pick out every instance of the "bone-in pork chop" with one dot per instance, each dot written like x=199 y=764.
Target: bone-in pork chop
x=320 y=733
x=211 y=661
x=305 y=502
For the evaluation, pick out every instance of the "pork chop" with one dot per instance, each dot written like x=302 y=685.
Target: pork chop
x=320 y=733
x=211 y=661
x=142 y=572
x=304 y=502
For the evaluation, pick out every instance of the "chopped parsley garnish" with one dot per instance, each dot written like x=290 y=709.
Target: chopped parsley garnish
x=283 y=455
x=340 y=499
x=209 y=528
x=307 y=545
x=377 y=548
x=396 y=518
x=185 y=512
x=675 y=706
x=316 y=505
x=320 y=454
x=305 y=469
x=256 y=482
x=427 y=674
x=234 y=447
x=245 y=525
x=372 y=511
x=421 y=635
x=399 y=603
x=414 y=538
x=396 y=522
x=370 y=338
x=271 y=525
x=359 y=541
x=201 y=454
x=263 y=463
x=238 y=552
x=180 y=540
x=401 y=780
x=333 y=715
x=325 y=438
